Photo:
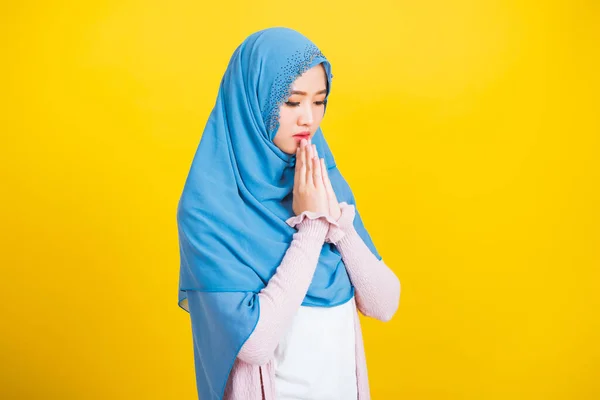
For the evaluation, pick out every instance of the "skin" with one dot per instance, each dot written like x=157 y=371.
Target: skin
x=312 y=188
x=302 y=112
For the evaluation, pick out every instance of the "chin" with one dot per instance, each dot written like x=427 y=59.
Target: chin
x=290 y=152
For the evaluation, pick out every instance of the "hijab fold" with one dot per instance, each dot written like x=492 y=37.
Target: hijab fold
x=236 y=198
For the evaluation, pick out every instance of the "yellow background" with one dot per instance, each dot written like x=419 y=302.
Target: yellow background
x=469 y=131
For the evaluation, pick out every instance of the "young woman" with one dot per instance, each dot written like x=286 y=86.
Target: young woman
x=275 y=259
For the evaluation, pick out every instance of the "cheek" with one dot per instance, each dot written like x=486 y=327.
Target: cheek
x=285 y=127
x=319 y=115
x=286 y=116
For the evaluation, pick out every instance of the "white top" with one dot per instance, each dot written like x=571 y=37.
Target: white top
x=315 y=360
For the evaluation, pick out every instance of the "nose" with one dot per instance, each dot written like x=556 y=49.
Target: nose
x=306 y=116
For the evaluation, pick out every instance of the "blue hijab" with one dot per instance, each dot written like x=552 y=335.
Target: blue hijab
x=235 y=201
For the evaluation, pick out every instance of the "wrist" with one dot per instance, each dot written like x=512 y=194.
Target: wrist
x=344 y=225
x=317 y=227
x=315 y=224
x=347 y=238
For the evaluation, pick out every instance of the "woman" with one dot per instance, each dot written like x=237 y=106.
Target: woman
x=275 y=260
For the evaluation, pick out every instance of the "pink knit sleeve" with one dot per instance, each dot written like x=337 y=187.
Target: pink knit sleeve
x=376 y=286
x=280 y=299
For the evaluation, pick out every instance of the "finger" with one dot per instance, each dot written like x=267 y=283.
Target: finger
x=297 y=169
x=317 y=173
x=301 y=164
x=328 y=185
x=317 y=176
x=309 y=165
x=326 y=182
x=324 y=172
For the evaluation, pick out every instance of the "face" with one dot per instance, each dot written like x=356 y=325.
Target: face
x=303 y=110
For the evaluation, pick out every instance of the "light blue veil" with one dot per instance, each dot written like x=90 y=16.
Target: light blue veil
x=235 y=201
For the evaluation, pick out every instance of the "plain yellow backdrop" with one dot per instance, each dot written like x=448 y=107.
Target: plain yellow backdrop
x=468 y=130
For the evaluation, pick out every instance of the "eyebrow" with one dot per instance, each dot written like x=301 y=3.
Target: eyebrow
x=304 y=93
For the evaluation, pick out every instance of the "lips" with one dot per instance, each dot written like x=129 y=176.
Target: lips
x=302 y=135
x=298 y=138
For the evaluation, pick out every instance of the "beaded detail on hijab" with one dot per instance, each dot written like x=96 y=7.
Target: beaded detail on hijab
x=296 y=65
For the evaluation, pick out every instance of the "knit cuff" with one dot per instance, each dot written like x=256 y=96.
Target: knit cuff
x=337 y=229
x=315 y=228
x=298 y=219
x=346 y=221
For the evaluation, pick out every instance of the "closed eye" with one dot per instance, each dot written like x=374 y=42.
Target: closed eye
x=296 y=103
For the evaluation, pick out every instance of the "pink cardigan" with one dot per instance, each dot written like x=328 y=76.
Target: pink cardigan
x=377 y=295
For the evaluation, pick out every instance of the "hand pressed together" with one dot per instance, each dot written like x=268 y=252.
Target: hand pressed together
x=312 y=188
